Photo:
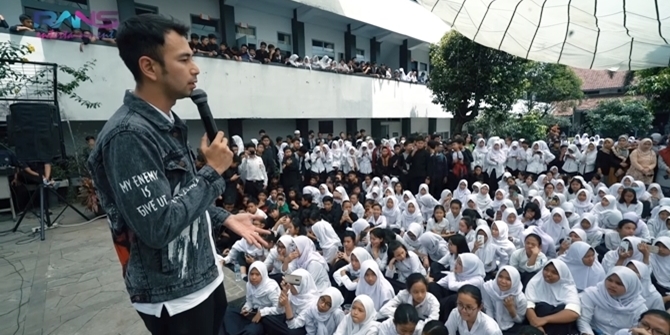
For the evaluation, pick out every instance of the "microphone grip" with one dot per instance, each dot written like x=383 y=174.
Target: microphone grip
x=207 y=120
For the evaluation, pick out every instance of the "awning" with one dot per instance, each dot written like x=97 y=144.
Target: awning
x=612 y=35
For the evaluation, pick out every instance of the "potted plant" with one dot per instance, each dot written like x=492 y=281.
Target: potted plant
x=88 y=196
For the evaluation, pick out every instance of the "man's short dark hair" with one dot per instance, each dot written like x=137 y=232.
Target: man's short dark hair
x=144 y=35
x=88 y=138
x=211 y=36
x=24 y=17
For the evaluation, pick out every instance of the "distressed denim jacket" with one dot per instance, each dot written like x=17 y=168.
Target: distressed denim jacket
x=156 y=202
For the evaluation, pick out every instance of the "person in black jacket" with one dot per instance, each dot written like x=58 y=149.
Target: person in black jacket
x=438 y=170
x=385 y=163
x=418 y=159
x=291 y=177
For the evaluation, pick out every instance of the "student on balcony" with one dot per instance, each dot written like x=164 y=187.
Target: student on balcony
x=3 y=23
x=25 y=25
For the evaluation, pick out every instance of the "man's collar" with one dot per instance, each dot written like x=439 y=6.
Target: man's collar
x=150 y=112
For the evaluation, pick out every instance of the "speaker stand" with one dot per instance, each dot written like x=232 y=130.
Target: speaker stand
x=45 y=218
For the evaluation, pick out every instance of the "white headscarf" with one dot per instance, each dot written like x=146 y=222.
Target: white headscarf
x=369 y=325
x=563 y=291
x=486 y=252
x=585 y=276
x=326 y=235
x=327 y=322
x=628 y=303
x=472 y=267
x=502 y=241
x=307 y=252
x=417 y=230
x=266 y=286
x=649 y=291
x=462 y=194
x=661 y=265
x=288 y=243
x=307 y=292
x=381 y=291
x=433 y=244
x=557 y=231
x=497 y=296
x=361 y=255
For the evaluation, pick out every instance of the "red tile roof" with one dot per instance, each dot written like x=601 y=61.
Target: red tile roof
x=603 y=79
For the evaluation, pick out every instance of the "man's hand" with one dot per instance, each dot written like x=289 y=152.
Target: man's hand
x=241 y=225
x=217 y=154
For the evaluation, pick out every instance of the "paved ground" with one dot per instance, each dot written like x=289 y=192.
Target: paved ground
x=69 y=284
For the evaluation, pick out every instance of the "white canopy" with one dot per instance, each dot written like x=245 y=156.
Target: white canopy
x=614 y=35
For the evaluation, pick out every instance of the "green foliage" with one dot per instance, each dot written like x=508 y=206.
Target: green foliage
x=532 y=126
x=551 y=83
x=655 y=85
x=12 y=81
x=474 y=82
x=620 y=116
x=467 y=78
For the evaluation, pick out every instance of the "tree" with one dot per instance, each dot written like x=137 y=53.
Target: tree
x=467 y=78
x=551 y=83
x=620 y=116
x=654 y=84
x=531 y=126
x=13 y=82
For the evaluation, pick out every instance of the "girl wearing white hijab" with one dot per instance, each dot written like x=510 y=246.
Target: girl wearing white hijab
x=538 y=156
x=504 y=300
x=641 y=229
x=364 y=160
x=462 y=193
x=373 y=284
x=323 y=315
x=391 y=211
x=415 y=294
x=295 y=301
x=572 y=160
x=587 y=162
x=660 y=265
x=556 y=226
x=515 y=155
x=594 y=234
x=483 y=198
x=346 y=275
x=468 y=270
x=327 y=238
x=479 y=154
x=653 y=299
x=410 y=215
x=613 y=304
x=412 y=235
x=619 y=257
x=488 y=251
x=514 y=225
x=545 y=213
x=583 y=263
x=552 y=293
x=569 y=208
x=433 y=245
x=336 y=153
x=306 y=257
x=361 y=318
x=495 y=162
x=428 y=204
x=582 y=202
x=500 y=234
x=262 y=298
x=657 y=224
x=275 y=259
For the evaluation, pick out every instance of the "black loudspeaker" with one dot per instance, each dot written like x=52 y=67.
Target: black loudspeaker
x=34 y=130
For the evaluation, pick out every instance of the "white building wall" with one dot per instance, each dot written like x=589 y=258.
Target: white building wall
x=267 y=25
x=241 y=90
x=421 y=56
x=443 y=125
x=181 y=10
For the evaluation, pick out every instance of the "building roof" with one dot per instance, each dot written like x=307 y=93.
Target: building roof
x=593 y=80
x=567 y=108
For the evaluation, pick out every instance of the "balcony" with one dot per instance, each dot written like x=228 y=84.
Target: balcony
x=241 y=90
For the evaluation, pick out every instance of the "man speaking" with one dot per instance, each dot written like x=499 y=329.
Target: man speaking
x=160 y=209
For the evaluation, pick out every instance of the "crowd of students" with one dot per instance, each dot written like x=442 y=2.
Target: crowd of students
x=433 y=236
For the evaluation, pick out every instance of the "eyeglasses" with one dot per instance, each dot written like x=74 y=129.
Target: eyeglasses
x=647 y=327
x=471 y=309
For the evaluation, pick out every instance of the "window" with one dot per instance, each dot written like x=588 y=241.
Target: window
x=283 y=38
x=145 y=9
x=204 y=25
x=423 y=67
x=413 y=67
x=321 y=48
x=246 y=30
x=360 y=52
x=326 y=127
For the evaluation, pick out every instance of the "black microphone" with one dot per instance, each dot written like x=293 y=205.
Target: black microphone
x=199 y=97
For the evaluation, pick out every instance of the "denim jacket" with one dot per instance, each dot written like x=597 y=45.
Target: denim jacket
x=156 y=202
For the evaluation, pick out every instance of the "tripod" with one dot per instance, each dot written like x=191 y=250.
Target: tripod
x=45 y=218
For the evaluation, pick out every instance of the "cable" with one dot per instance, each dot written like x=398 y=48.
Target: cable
x=18 y=314
x=81 y=223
